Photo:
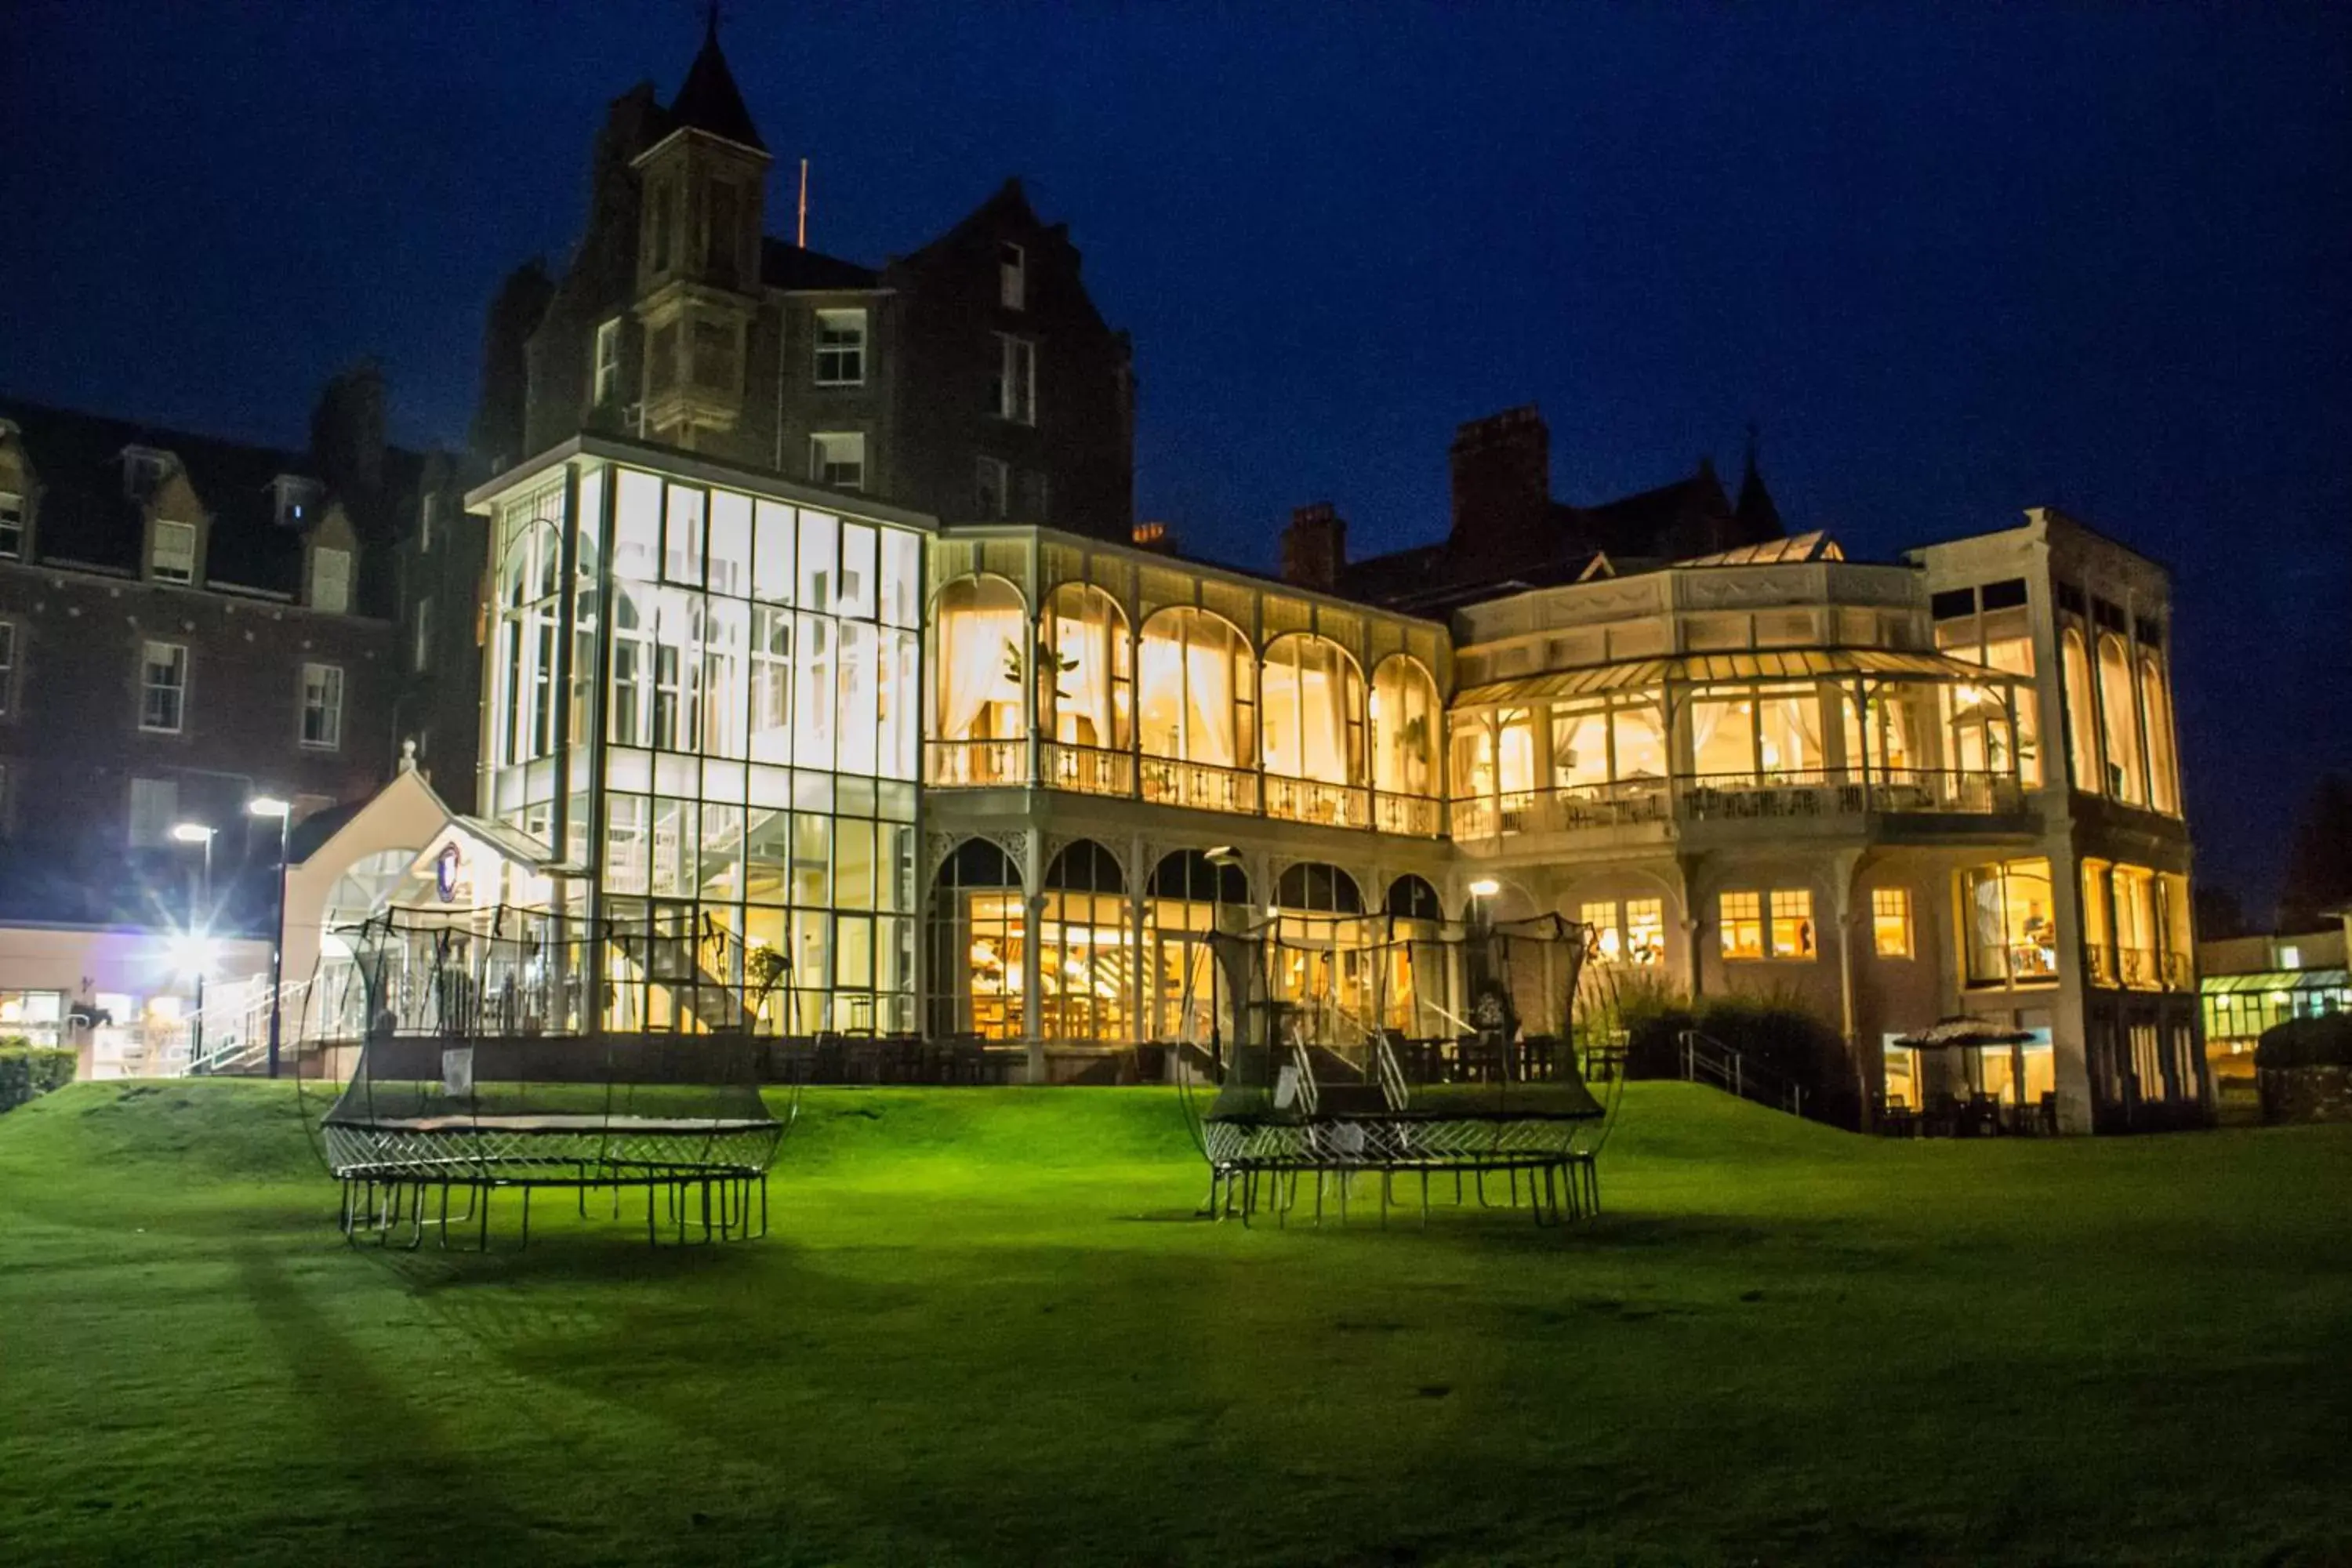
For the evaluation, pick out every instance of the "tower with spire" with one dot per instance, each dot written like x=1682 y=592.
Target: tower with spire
x=697 y=275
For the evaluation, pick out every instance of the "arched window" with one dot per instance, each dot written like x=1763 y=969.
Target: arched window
x=2082 y=714
x=1197 y=705
x=978 y=943
x=2156 y=708
x=1186 y=890
x=1313 y=696
x=1089 y=694
x=977 y=717
x=1085 y=958
x=1412 y=899
x=2119 y=722
x=1404 y=728
x=1314 y=887
x=530 y=576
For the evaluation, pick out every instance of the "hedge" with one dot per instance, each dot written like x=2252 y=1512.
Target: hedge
x=27 y=1071
x=2321 y=1041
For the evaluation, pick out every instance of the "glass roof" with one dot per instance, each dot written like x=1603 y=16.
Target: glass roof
x=1763 y=664
x=2278 y=980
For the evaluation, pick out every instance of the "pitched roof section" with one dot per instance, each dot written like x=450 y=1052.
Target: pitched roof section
x=784 y=265
x=708 y=100
x=87 y=519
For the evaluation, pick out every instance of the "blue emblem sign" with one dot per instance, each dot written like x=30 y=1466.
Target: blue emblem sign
x=444 y=872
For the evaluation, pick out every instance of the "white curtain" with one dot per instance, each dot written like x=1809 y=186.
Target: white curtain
x=1082 y=694
x=979 y=642
x=1209 y=701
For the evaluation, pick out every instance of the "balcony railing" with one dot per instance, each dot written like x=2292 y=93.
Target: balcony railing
x=2137 y=968
x=1199 y=784
x=1313 y=800
x=1087 y=769
x=1412 y=816
x=2099 y=963
x=1726 y=797
x=971 y=765
x=2013 y=963
x=2179 y=972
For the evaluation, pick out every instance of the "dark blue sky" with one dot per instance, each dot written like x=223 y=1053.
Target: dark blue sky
x=1955 y=261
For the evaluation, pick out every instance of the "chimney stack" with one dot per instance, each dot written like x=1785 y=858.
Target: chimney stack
x=1502 y=488
x=1315 y=547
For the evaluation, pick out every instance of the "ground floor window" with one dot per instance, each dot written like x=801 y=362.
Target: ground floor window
x=1627 y=931
x=38 y=1016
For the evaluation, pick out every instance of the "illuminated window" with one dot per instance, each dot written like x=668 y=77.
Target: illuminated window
x=1405 y=713
x=175 y=556
x=1313 y=701
x=1089 y=700
x=1792 y=923
x=2009 y=917
x=1740 y=918
x=2119 y=722
x=1645 y=930
x=2082 y=714
x=840 y=348
x=2156 y=707
x=1608 y=942
x=1196 y=703
x=838 y=459
x=1890 y=921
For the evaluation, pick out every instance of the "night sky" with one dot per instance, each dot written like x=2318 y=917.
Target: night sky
x=1953 y=263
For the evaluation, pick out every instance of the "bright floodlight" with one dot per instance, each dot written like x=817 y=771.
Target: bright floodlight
x=268 y=805
x=191 y=832
x=191 y=954
x=1484 y=888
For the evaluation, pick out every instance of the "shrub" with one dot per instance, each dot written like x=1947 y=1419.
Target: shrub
x=27 y=1071
x=2322 y=1042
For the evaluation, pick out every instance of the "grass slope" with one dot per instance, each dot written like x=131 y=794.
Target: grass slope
x=984 y=1330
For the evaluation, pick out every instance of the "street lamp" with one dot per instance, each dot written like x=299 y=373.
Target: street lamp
x=270 y=805
x=200 y=926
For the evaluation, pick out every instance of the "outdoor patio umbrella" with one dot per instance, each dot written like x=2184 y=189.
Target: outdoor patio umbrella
x=1961 y=1032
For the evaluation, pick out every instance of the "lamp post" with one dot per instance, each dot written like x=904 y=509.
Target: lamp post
x=200 y=931
x=270 y=806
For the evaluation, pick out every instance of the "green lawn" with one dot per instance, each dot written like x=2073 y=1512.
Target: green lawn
x=984 y=1329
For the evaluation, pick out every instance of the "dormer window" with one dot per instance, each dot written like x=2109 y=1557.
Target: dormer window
x=298 y=501
x=1011 y=277
x=171 y=557
x=142 y=470
x=331 y=580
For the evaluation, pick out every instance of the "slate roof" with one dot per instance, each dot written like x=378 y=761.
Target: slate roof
x=85 y=518
x=784 y=265
x=709 y=99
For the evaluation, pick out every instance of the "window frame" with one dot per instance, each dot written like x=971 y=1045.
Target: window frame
x=332 y=736
x=1726 y=921
x=1892 y=904
x=605 y=368
x=147 y=686
x=1016 y=379
x=156 y=572
x=11 y=525
x=849 y=359
x=1000 y=508
x=819 y=463
x=1808 y=937
x=1012 y=276
x=159 y=832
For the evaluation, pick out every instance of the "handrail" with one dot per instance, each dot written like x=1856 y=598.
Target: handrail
x=1730 y=1071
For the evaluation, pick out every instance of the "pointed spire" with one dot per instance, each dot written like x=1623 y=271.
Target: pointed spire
x=709 y=100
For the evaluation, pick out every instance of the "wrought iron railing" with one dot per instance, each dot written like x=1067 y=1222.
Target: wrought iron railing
x=1314 y=800
x=1200 y=784
x=951 y=765
x=1412 y=816
x=1087 y=770
x=2099 y=963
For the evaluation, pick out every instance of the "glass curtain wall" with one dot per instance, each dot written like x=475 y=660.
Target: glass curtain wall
x=760 y=725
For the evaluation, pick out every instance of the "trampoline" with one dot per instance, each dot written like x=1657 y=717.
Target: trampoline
x=456 y=1095
x=1315 y=1088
